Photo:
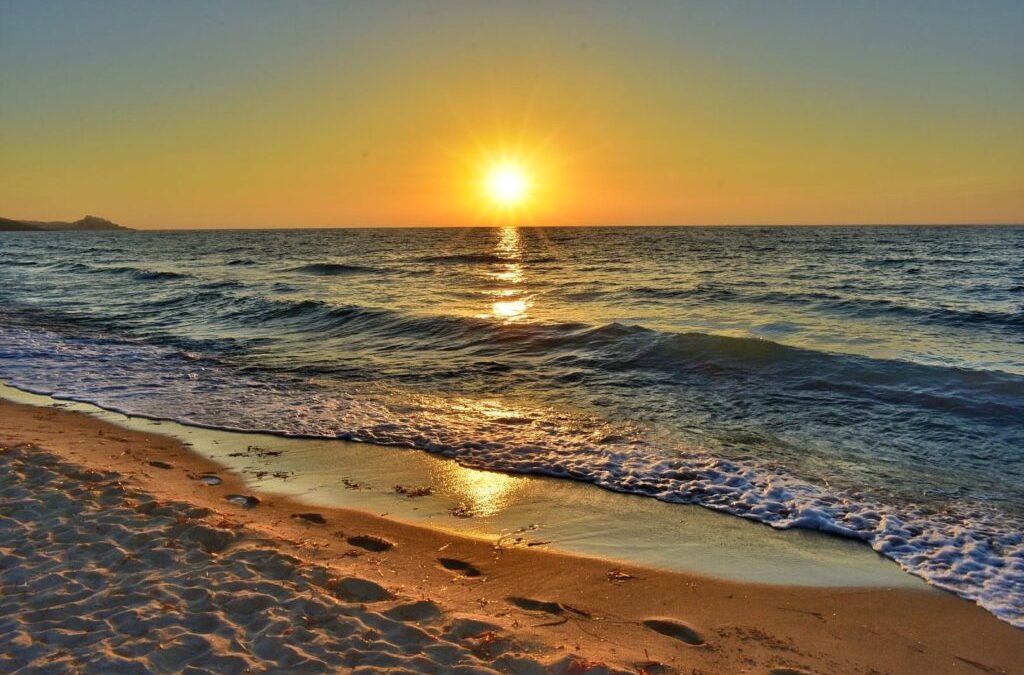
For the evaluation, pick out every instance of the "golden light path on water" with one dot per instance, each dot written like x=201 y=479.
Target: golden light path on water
x=509 y=305
x=486 y=492
x=482 y=493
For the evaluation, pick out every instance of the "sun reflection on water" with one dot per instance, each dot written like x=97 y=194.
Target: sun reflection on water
x=511 y=274
x=509 y=309
x=483 y=493
x=511 y=304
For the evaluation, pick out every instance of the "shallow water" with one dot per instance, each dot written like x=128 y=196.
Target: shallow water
x=517 y=510
x=862 y=381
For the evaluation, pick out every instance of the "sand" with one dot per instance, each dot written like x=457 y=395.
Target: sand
x=116 y=555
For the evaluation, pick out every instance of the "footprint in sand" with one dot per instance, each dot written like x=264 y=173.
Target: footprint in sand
x=420 y=611
x=161 y=465
x=531 y=605
x=311 y=517
x=354 y=589
x=370 y=543
x=461 y=566
x=247 y=501
x=788 y=671
x=547 y=606
x=675 y=629
x=210 y=479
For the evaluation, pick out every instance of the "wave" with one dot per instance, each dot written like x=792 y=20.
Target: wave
x=137 y=273
x=610 y=348
x=333 y=269
x=485 y=258
x=467 y=258
x=848 y=306
x=620 y=348
x=702 y=291
x=875 y=307
x=147 y=275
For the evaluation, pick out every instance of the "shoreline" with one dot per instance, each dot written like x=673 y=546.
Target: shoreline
x=743 y=626
x=569 y=516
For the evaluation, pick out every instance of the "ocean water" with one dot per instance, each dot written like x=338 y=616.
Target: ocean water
x=867 y=382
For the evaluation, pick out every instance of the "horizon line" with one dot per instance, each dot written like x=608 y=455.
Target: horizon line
x=577 y=226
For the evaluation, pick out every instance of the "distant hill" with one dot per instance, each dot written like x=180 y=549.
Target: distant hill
x=89 y=223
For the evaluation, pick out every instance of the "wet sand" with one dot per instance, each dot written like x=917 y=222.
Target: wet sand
x=570 y=516
x=116 y=551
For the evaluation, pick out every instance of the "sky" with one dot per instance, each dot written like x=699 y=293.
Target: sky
x=379 y=113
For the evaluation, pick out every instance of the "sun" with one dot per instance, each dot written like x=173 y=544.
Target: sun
x=507 y=184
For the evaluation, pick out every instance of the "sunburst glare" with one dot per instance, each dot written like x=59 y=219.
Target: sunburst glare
x=508 y=185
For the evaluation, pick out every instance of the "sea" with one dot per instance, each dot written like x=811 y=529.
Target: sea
x=861 y=381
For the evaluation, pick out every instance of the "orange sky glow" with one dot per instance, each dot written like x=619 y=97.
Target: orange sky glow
x=388 y=114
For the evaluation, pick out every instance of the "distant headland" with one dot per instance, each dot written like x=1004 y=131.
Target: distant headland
x=89 y=223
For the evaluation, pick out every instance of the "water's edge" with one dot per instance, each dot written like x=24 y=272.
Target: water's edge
x=566 y=516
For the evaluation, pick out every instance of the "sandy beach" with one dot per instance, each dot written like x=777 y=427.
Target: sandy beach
x=118 y=556
x=512 y=337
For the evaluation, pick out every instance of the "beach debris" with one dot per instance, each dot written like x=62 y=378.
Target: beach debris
x=353 y=485
x=284 y=475
x=817 y=615
x=461 y=566
x=489 y=643
x=511 y=538
x=255 y=450
x=580 y=665
x=414 y=491
x=487 y=637
x=262 y=452
x=260 y=475
x=224 y=523
x=210 y=479
x=617 y=576
x=507 y=541
x=371 y=543
x=247 y=501
x=675 y=629
x=161 y=465
x=462 y=511
x=311 y=517
x=978 y=665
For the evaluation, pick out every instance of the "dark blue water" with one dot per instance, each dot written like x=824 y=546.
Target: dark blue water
x=863 y=381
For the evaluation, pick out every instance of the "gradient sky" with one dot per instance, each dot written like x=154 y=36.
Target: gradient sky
x=312 y=114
